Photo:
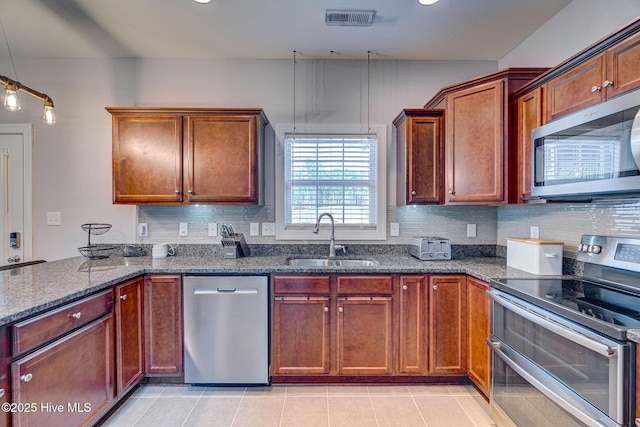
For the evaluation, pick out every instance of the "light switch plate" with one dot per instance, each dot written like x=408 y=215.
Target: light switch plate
x=254 y=229
x=54 y=218
x=184 y=229
x=268 y=228
x=395 y=229
x=142 y=229
x=534 y=232
x=471 y=230
x=212 y=229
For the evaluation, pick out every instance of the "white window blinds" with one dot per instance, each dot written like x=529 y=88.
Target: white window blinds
x=331 y=173
x=580 y=160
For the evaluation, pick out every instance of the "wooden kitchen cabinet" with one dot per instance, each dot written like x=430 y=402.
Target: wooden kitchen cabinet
x=447 y=324
x=163 y=326
x=70 y=380
x=129 y=319
x=480 y=144
x=419 y=141
x=610 y=73
x=5 y=358
x=478 y=328
x=171 y=156
x=411 y=325
x=530 y=116
x=637 y=384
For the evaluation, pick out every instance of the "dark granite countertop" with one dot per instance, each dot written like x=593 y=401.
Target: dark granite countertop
x=29 y=290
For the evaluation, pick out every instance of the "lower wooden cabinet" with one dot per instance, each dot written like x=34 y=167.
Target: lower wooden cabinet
x=5 y=393
x=129 y=315
x=70 y=381
x=300 y=335
x=411 y=325
x=447 y=324
x=163 y=324
x=364 y=335
x=637 y=384
x=478 y=327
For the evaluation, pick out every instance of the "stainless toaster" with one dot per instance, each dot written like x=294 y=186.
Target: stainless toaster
x=430 y=248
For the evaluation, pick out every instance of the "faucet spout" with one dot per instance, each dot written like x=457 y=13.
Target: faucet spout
x=332 y=243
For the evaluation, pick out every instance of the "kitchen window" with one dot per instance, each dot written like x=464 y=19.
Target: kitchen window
x=335 y=169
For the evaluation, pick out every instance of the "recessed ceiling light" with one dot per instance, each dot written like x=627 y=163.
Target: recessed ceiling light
x=209 y=1
x=427 y=2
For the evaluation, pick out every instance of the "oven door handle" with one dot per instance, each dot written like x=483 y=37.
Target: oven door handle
x=587 y=414
x=553 y=326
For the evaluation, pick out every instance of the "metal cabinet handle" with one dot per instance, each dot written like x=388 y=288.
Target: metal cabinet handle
x=638 y=422
x=190 y=192
x=341 y=309
x=1 y=393
x=76 y=315
x=595 y=89
x=607 y=83
x=177 y=191
x=413 y=193
x=326 y=309
x=123 y=297
x=26 y=377
x=405 y=287
x=451 y=192
x=435 y=287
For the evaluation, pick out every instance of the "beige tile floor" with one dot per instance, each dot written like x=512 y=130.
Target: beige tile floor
x=304 y=406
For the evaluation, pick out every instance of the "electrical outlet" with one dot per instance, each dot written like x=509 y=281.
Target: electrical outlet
x=395 y=229
x=184 y=229
x=212 y=229
x=54 y=218
x=534 y=232
x=142 y=229
x=471 y=230
x=254 y=229
x=268 y=228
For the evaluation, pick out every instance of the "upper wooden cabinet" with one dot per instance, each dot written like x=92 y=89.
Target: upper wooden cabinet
x=480 y=147
x=419 y=137
x=611 y=73
x=530 y=116
x=163 y=155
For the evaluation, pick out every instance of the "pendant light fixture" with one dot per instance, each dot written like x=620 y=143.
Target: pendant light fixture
x=12 y=87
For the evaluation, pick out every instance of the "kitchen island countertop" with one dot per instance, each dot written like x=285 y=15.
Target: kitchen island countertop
x=29 y=290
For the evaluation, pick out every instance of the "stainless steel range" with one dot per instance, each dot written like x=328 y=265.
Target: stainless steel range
x=560 y=349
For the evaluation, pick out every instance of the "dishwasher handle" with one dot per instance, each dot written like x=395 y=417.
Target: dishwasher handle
x=219 y=291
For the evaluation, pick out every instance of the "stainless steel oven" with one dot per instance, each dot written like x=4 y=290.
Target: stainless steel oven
x=560 y=355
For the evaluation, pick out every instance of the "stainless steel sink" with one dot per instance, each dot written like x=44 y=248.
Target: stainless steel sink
x=324 y=262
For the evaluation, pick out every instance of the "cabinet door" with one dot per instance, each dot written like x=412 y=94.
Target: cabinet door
x=5 y=357
x=222 y=159
x=300 y=335
x=530 y=116
x=623 y=67
x=637 y=384
x=447 y=324
x=478 y=320
x=147 y=158
x=129 y=334
x=578 y=88
x=475 y=132
x=364 y=335
x=411 y=325
x=70 y=381
x=163 y=325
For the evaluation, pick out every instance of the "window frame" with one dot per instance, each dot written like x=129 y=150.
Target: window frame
x=343 y=232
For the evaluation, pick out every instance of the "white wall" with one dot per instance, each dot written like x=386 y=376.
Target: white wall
x=580 y=24
x=72 y=165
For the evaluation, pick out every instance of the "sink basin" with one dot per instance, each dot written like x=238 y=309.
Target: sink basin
x=324 y=262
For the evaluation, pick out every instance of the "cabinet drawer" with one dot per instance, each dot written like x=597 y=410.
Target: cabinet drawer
x=317 y=285
x=38 y=330
x=371 y=285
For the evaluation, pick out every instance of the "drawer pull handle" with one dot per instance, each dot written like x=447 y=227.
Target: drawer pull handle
x=1 y=393
x=123 y=297
x=76 y=315
x=26 y=377
x=607 y=83
x=595 y=89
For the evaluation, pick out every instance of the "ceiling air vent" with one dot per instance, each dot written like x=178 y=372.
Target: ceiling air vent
x=349 y=18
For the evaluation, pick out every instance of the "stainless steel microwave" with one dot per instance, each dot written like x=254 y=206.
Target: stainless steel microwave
x=593 y=153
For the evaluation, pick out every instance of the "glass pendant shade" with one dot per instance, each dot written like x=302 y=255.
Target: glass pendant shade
x=48 y=116
x=11 y=101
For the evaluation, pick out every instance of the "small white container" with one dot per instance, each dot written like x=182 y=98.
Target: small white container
x=543 y=257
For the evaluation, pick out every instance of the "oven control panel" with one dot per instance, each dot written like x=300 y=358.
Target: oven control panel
x=620 y=252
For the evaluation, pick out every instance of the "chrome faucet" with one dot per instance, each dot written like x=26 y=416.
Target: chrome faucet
x=332 y=243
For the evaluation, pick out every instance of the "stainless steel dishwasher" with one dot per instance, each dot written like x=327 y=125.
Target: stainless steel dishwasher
x=226 y=330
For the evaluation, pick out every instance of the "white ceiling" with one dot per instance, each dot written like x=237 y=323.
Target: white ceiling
x=403 y=29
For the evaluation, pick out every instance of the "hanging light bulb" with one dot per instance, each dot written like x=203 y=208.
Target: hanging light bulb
x=48 y=116
x=11 y=101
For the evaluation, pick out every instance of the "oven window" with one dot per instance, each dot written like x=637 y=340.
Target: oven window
x=583 y=370
x=523 y=403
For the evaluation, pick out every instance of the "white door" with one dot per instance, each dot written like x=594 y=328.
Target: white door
x=16 y=151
